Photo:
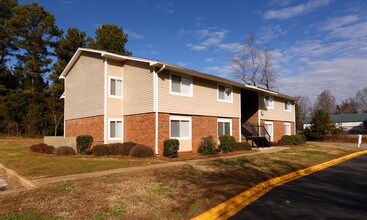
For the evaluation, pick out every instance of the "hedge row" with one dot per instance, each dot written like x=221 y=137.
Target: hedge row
x=125 y=149
x=48 y=149
x=296 y=139
x=227 y=144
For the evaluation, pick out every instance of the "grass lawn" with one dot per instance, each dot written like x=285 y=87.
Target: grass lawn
x=179 y=192
x=16 y=154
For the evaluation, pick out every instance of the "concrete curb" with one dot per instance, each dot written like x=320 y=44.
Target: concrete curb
x=235 y=204
x=18 y=178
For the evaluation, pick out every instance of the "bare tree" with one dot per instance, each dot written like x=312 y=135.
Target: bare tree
x=246 y=63
x=361 y=98
x=268 y=73
x=348 y=106
x=254 y=66
x=325 y=101
x=303 y=108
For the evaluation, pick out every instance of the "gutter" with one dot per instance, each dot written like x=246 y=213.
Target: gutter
x=155 y=98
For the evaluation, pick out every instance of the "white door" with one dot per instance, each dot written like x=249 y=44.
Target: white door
x=269 y=127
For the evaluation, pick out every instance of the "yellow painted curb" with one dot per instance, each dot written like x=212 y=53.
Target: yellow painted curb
x=235 y=204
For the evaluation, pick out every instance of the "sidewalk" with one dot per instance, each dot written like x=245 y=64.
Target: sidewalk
x=39 y=182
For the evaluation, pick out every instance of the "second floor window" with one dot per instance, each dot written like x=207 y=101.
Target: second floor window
x=115 y=87
x=181 y=85
x=269 y=102
x=224 y=93
x=287 y=105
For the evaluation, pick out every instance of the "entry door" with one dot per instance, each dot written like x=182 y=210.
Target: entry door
x=270 y=128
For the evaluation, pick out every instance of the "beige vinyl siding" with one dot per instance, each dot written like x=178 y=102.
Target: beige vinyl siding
x=137 y=88
x=278 y=113
x=114 y=105
x=84 y=87
x=203 y=102
x=185 y=145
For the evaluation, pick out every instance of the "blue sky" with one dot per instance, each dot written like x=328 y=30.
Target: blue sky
x=317 y=44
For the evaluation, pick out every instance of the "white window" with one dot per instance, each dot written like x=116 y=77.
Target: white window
x=180 y=85
x=287 y=105
x=224 y=127
x=115 y=87
x=180 y=127
x=269 y=102
x=269 y=128
x=224 y=93
x=287 y=128
x=115 y=129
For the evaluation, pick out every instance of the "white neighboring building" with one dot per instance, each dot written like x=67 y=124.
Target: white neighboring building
x=353 y=123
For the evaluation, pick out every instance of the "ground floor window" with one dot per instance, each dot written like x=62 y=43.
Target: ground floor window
x=115 y=129
x=180 y=127
x=287 y=128
x=224 y=127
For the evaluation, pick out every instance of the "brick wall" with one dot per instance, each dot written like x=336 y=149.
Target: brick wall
x=91 y=125
x=203 y=126
x=163 y=130
x=140 y=129
x=235 y=128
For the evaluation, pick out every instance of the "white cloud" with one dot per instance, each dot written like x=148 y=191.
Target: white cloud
x=225 y=71
x=269 y=32
x=206 y=38
x=183 y=64
x=210 y=59
x=339 y=22
x=134 y=35
x=293 y=11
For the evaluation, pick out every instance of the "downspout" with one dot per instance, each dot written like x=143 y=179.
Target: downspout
x=155 y=94
x=105 y=100
x=64 y=103
x=240 y=119
x=258 y=111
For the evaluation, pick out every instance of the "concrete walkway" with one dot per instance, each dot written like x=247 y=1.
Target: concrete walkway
x=39 y=182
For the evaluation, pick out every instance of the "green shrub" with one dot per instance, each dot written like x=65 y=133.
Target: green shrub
x=242 y=146
x=227 y=143
x=42 y=148
x=140 y=150
x=64 y=150
x=207 y=146
x=287 y=140
x=303 y=138
x=297 y=139
x=83 y=142
x=113 y=149
x=171 y=147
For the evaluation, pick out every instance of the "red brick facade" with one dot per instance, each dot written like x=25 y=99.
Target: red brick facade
x=203 y=126
x=140 y=128
x=92 y=125
x=278 y=129
x=163 y=130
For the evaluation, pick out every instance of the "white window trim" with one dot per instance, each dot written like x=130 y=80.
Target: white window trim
x=186 y=118
x=272 y=98
x=290 y=106
x=109 y=129
x=109 y=87
x=225 y=120
x=179 y=93
x=272 y=132
x=288 y=124
x=222 y=100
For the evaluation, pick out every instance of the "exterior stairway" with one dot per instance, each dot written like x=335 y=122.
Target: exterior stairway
x=256 y=133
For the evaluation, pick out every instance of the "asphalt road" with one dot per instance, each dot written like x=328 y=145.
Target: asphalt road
x=338 y=192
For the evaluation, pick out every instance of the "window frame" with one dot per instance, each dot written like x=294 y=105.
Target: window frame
x=223 y=100
x=122 y=129
x=180 y=118
x=272 y=101
x=290 y=130
x=224 y=120
x=290 y=105
x=109 y=87
x=180 y=93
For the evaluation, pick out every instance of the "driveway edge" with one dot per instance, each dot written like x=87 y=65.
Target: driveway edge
x=235 y=204
x=17 y=177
